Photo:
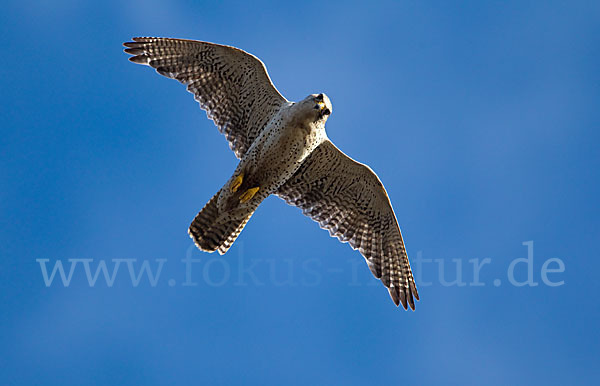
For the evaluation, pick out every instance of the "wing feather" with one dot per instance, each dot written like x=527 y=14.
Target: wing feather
x=348 y=199
x=231 y=85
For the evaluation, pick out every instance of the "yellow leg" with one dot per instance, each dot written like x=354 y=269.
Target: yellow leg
x=248 y=194
x=235 y=185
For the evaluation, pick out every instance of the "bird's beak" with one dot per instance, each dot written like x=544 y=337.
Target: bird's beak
x=321 y=105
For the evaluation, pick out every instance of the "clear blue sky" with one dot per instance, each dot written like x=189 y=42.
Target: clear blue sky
x=481 y=119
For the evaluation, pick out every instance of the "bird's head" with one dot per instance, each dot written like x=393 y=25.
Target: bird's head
x=317 y=107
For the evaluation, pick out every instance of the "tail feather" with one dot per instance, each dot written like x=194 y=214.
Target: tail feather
x=214 y=231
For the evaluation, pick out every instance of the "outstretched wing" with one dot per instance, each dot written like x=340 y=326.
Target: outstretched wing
x=231 y=85
x=347 y=198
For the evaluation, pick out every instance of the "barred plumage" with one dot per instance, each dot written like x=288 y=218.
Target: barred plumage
x=347 y=198
x=230 y=84
x=283 y=150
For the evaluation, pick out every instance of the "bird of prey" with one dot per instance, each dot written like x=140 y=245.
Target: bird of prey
x=283 y=150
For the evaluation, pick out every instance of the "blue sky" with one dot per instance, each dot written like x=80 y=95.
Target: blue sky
x=481 y=119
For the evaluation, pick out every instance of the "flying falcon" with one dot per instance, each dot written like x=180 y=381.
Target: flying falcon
x=283 y=150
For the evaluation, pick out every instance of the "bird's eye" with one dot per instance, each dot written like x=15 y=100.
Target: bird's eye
x=319 y=97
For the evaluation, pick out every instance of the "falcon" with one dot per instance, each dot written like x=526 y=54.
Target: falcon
x=283 y=150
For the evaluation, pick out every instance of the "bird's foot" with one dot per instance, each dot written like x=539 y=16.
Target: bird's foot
x=237 y=182
x=248 y=194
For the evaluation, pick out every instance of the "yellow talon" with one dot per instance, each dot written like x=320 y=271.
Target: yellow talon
x=248 y=194
x=235 y=185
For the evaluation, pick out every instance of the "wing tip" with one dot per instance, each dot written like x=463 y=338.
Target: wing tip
x=404 y=295
x=138 y=54
x=139 y=59
x=138 y=41
x=413 y=290
x=134 y=51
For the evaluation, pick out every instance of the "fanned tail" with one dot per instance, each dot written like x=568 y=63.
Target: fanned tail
x=214 y=231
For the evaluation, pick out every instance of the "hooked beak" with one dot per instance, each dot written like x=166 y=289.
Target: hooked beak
x=321 y=106
x=324 y=111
